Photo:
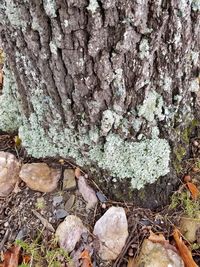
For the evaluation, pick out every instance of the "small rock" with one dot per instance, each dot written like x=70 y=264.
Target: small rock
x=101 y=197
x=112 y=231
x=40 y=177
x=156 y=255
x=70 y=202
x=69 y=181
x=21 y=234
x=9 y=173
x=189 y=227
x=87 y=192
x=57 y=200
x=69 y=232
x=61 y=213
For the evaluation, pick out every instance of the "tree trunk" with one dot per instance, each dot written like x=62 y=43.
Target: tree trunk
x=111 y=84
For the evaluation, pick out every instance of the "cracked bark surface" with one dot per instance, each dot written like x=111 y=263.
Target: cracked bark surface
x=91 y=56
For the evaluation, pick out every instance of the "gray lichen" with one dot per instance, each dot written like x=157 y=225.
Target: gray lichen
x=9 y=112
x=50 y=8
x=196 y=5
x=144 y=48
x=93 y=5
x=14 y=15
x=151 y=107
x=142 y=161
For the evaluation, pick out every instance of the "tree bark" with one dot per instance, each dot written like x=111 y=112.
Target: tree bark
x=111 y=84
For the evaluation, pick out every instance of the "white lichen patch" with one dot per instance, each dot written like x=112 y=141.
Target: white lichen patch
x=144 y=48
x=167 y=83
x=10 y=118
x=50 y=8
x=194 y=85
x=119 y=83
x=66 y=23
x=53 y=48
x=195 y=57
x=142 y=161
x=196 y=5
x=93 y=5
x=152 y=107
x=14 y=15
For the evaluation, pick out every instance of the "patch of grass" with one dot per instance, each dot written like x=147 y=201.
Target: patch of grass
x=48 y=255
x=40 y=204
x=183 y=201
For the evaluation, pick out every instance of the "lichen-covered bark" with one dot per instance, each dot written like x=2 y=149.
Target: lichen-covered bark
x=108 y=83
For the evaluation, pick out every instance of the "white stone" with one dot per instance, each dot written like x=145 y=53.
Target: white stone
x=157 y=255
x=40 y=177
x=112 y=231
x=9 y=173
x=69 y=232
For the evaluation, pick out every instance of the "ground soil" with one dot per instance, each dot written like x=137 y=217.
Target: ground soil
x=18 y=219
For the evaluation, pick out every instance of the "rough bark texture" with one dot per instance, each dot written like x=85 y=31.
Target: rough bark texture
x=108 y=83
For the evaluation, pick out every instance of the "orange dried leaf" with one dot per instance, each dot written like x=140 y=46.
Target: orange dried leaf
x=86 y=259
x=185 y=253
x=157 y=238
x=26 y=259
x=11 y=257
x=193 y=190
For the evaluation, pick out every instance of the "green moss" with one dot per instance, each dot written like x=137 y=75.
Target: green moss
x=184 y=201
x=180 y=152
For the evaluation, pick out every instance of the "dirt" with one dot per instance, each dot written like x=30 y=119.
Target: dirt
x=19 y=220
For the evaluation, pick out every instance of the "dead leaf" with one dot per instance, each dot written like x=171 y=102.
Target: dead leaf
x=185 y=253
x=157 y=238
x=26 y=259
x=18 y=141
x=193 y=190
x=187 y=178
x=11 y=257
x=61 y=161
x=77 y=172
x=86 y=259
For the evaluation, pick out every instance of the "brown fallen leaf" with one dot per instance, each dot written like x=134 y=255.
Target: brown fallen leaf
x=86 y=259
x=157 y=238
x=77 y=172
x=193 y=190
x=11 y=257
x=185 y=253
